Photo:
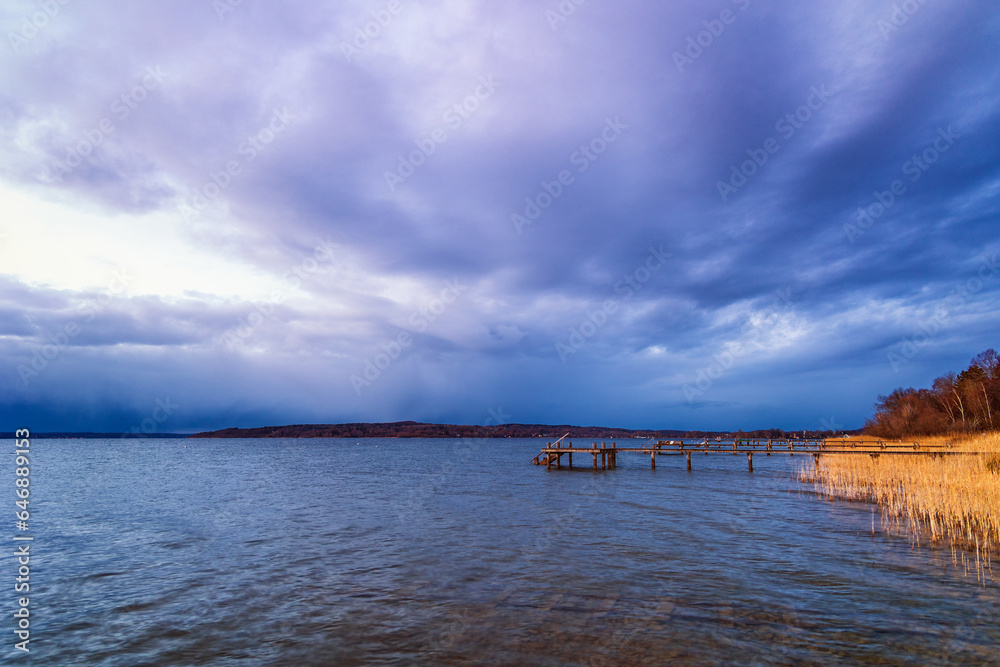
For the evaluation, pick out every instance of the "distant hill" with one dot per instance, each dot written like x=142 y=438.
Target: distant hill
x=83 y=435
x=411 y=429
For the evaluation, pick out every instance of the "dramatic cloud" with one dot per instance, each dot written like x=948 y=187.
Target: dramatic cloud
x=736 y=214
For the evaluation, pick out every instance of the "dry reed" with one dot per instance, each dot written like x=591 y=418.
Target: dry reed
x=951 y=499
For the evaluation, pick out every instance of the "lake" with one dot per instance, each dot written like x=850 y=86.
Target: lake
x=399 y=552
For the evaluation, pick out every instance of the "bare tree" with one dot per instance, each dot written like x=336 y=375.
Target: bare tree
x=989 y=361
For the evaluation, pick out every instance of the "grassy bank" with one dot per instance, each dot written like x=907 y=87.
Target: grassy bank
x=954 y=500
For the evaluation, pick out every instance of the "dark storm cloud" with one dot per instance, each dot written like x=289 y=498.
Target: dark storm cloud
x=848 y=97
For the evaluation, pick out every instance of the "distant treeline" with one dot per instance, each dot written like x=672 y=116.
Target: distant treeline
x=411 y=429
x=965 y=402
x=80 y=435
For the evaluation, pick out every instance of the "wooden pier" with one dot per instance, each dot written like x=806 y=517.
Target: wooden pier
x=552 y=454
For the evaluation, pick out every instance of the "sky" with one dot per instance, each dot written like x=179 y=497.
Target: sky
x=695 y=214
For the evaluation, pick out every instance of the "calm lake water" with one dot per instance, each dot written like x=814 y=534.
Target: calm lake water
x=345 y=552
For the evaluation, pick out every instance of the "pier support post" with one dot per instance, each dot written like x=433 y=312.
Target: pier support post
x=750 y=461
x=689 y=460
x=570 y=455
x=652 y=458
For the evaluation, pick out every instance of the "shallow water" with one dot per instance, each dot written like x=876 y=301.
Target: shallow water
x=346 y=552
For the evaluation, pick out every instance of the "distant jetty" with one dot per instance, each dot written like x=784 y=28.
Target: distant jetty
x=411 y=429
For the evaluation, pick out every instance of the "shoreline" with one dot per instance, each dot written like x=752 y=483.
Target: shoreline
x=953 y=501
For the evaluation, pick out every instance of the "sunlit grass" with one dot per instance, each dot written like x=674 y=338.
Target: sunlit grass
x=951 y=499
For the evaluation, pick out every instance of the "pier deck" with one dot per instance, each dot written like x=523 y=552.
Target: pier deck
x=552 y=454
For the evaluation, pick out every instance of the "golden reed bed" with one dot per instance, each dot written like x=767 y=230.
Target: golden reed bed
x=953 y=499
